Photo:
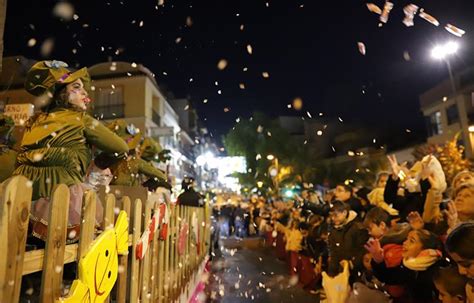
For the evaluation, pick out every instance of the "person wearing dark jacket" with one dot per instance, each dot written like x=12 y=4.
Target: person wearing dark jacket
x=346 y=238
x=190 y=197
x=344 y=193
x=409 y=201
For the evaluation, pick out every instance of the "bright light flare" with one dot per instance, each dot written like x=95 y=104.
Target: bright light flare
x=442 y=51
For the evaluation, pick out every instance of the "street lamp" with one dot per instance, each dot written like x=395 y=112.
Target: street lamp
x=443 y=52
x=270 y=157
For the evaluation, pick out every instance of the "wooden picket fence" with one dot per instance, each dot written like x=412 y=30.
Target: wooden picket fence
x=163 y=275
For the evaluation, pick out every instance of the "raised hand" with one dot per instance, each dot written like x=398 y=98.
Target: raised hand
x=415 y=220
x=451 y=215
x=375 y=249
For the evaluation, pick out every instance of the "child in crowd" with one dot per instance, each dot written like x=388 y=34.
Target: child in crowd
x=450 y=284
x=421 y=256
x=386 y=243
x=460 y=246
x=346 y=238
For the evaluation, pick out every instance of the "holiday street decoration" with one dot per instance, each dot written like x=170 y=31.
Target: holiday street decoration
x=98 y=269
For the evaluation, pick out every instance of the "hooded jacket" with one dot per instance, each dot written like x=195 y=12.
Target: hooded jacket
x=346 y=242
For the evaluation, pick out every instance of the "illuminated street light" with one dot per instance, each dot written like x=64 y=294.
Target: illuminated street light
x=443 y=52
x=440 y=52
x=270 y=157
x=471 y=128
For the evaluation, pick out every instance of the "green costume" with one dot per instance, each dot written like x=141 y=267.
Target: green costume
x=7 y=154
x=127 y=172
x=57 y=149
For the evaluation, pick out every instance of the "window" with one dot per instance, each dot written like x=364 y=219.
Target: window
x=452 y=114
x=433 y=123
x=109 y=103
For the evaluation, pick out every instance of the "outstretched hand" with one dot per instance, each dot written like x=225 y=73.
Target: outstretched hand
x=415 y=220
x=451 y=215
x=375 y=249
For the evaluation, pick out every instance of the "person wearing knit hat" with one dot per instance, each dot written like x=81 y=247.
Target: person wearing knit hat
x=57 y=144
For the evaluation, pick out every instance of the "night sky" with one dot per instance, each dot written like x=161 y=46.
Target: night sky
x=308 y=48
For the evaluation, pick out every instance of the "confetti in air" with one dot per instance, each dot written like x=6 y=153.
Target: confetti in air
x=361 y=47
x=454 y=30
x=249 y=49
x=297 y=103
x=428 y=18
x=64 y=10
x=374 y=8
x=386 y=12
x=410 y=11
x=222 y=64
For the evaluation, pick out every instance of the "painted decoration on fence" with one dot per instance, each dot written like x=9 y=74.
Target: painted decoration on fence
x=148 y=235
x=195 y=231
x=98 y=269
x=183 y=235
x=165 y=219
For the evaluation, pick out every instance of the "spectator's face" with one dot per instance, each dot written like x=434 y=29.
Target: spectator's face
x=341 y=193
x=338 y=218
x=382 y=181
x=445 y=297
x=465 y=266
x=465 y=202
x=466 y=177
x=412 y=245
x=377 y=231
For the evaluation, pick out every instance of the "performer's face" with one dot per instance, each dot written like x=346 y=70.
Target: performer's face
x=77 y=96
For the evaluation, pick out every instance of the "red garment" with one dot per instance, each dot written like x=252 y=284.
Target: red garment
x=280 y=247
x=294 y=263
x=392 y=254
x=306 y=274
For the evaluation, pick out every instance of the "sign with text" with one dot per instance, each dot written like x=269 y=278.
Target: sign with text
x=20 y=113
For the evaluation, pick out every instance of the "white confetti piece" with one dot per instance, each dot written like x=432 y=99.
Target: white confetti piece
x=454 y=30
x=31 y=42
x=386 y=12
x=249 y=49
x=361 y=47
x=410 y=11
x=428 y=18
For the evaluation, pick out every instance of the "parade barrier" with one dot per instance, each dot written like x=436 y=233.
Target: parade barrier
x=166 y=270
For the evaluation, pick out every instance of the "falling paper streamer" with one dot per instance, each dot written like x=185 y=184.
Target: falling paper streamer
x=410 y=11
x=361 y=47
x=428 y=18
x=374 y=8
x=386 y=11
x=454 y=30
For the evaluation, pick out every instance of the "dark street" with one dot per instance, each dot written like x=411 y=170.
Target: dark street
x=249 y=272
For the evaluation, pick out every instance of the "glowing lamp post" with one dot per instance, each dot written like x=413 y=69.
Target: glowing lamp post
x=443 y=52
